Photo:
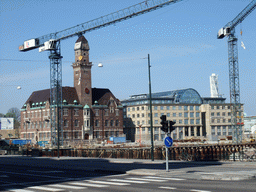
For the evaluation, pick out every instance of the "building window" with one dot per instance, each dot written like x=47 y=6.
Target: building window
x=76 y=112
x=173 y=107
x=197 y=121
x=106 y=112
x=167 y=107
x=138 y=115
x=133 y=109
x=180 y=121
x=76 y=123
x=223 y=113
x=229 y=113
x=96 y=123
x=142 y=115
x=168 y=115
x=212 y=114
x=156 y=115
x=180 y=107
x=117 y=123
x=197 y=114
x=191 y=114
x=218 y=120
x=106 y=123
x=224 y=120
x=138 y=108
x=192 y=121
x=156 y=121
x=212 y=107
x=213 y=130
x=142 y=108
x=65 y=123
x=185 y=108
x=106 y=134
x=162 y=107
x=133 y=115
x=138 y=122
x=111 y=123
x=117 y=133
x=186 y=114
x=218 y=130
x=218 y=114
x=174 y=114
x=65 y=112
x=186 y=121
x=229 y=120
x=180 y=114
x=117 y=112
x=97 y=134
x=197 y=108
x=191 y=108
x=224 y=131
x=129 y=109
x=155 y=107
x=97 y=112
x=213 y=120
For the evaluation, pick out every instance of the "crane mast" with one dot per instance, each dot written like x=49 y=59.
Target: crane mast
x=51 y=42
x=229 y=30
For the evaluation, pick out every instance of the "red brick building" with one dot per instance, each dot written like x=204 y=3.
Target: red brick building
x=88 y=113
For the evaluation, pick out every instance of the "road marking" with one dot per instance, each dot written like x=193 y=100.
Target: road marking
x=20 y=190
x=167 y=187
x=199 y=190
x=45 y=171
x=88 y=184
x=46 y=188
x=142 y=179
x=4 y=176
x=107 y=182
x=170 y=178
x=126 y=181
x=67 y=186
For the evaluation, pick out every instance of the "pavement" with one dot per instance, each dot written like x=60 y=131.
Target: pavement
x=201 y=170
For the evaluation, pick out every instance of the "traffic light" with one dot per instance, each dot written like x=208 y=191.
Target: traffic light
x=171 y=123
x=164 y=123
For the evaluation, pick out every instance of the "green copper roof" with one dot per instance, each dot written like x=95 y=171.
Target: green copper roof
x=86 y=107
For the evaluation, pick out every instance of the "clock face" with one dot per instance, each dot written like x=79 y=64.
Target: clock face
x=80 y=58
x=87 y=91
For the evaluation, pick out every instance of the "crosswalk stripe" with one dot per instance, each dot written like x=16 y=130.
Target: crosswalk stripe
x=126 y=181
x=20 y=190
x=46 y=188
x=144 y=179
x=107 y=182
x=170 y=178
x=88 y=184
x=167 y=188
x=195 y=190
x=67 y=186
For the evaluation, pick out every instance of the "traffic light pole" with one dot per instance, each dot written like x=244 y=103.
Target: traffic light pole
x=166 y=153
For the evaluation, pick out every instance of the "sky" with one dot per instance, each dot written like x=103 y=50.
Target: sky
x=181 y=39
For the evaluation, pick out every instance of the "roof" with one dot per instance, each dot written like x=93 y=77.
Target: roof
x=178 y=96
x=82 y=39
x=69 y=94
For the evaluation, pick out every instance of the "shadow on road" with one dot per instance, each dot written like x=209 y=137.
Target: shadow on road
x=19 y=172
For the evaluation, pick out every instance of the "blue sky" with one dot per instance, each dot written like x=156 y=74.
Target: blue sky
x=180 y=38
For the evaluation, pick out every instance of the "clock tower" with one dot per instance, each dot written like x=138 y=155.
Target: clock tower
x=82 y=72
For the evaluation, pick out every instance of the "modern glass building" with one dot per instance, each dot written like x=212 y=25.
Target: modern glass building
x=196 y=117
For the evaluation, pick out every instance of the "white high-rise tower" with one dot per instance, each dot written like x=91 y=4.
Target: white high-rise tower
x=214 y=85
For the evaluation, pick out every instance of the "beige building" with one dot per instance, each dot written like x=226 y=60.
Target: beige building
x=195 y=117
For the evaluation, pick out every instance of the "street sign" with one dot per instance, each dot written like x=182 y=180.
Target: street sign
x=168 y=141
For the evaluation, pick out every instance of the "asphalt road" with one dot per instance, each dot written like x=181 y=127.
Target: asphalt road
x=28 y=179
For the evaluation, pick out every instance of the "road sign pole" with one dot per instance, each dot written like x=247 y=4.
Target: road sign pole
x=167 y=159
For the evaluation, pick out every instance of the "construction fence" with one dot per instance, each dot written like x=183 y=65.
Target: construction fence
x=243 y=152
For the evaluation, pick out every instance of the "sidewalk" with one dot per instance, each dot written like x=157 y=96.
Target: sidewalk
x=209 y=170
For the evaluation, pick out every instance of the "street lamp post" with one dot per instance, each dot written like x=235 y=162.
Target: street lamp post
x=150 y=108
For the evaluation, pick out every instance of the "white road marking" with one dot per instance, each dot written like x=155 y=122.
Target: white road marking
x=126 y=181
x=88 y=184
x=66 y=186
x=46 y=188
x=142 y=179
x=45 y=171
x=167 y=188
x=4 y=176
x=196 y=190
x=107 y=182
x=170 y=178
x=20 y=190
